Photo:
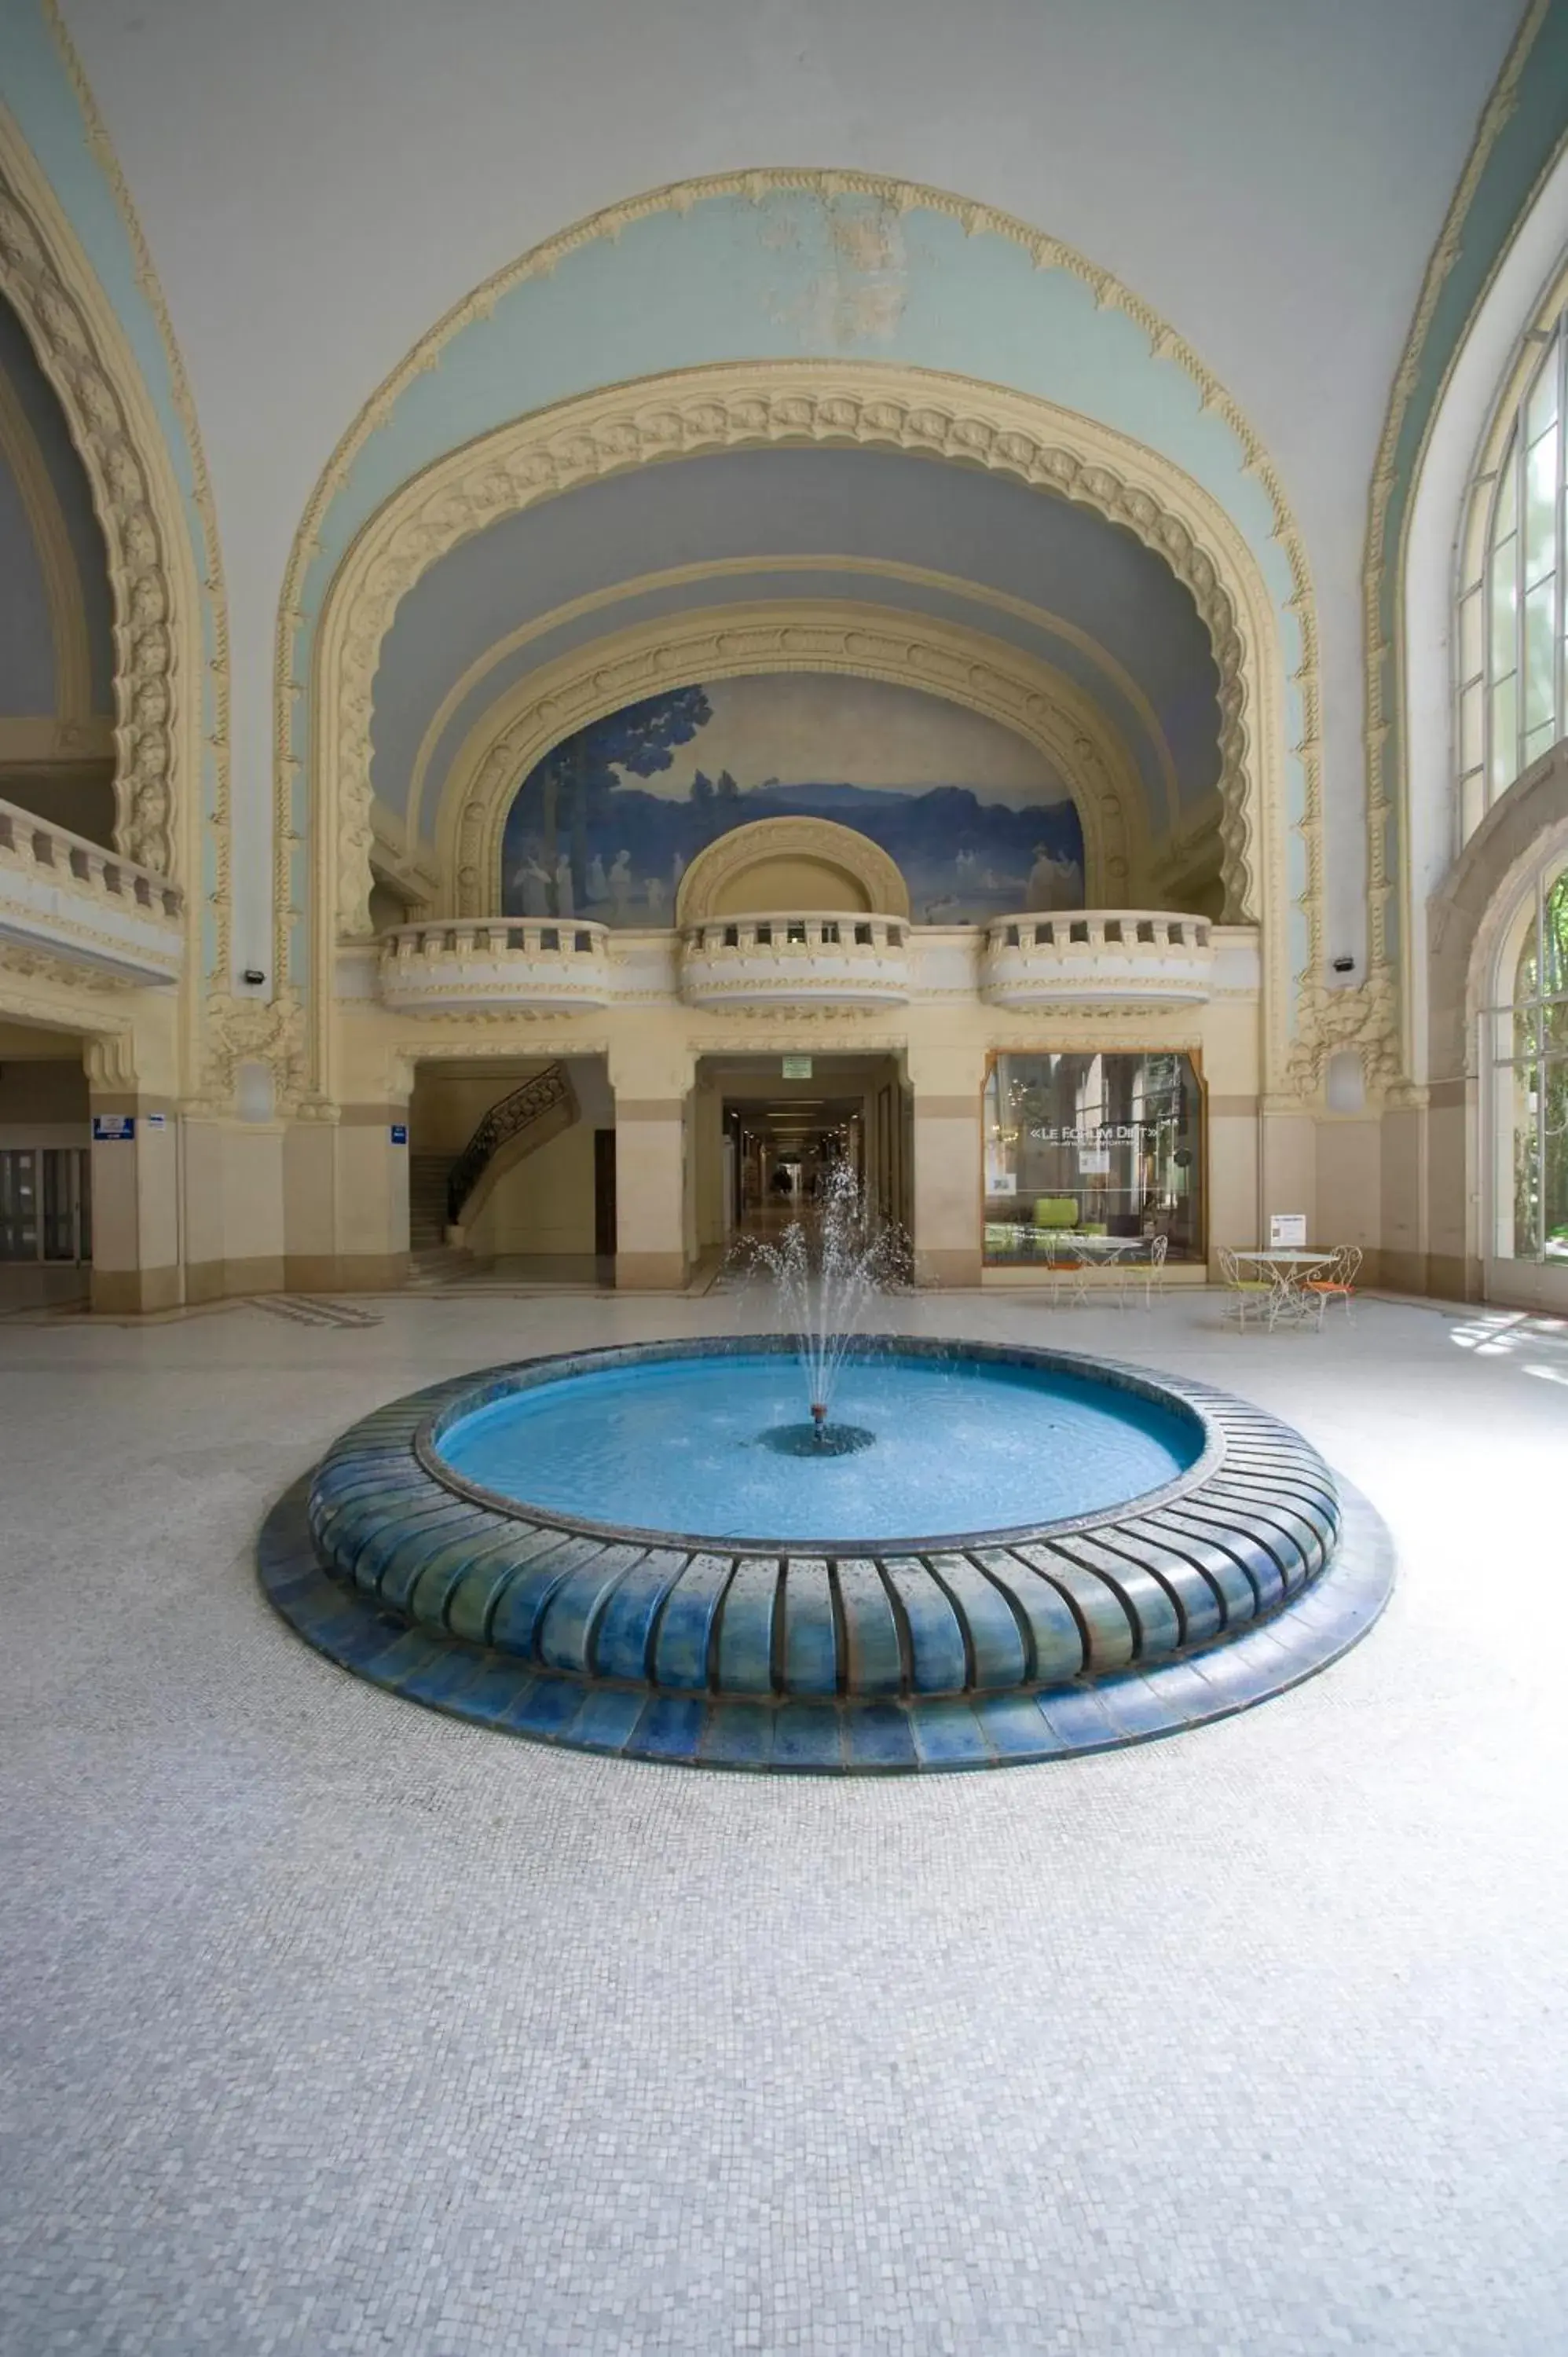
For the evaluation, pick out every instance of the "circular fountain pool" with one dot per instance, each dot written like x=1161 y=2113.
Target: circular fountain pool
x=1027 y=1552
x=712 y=1444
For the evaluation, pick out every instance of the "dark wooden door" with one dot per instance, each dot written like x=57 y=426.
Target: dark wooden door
x=604 y=1193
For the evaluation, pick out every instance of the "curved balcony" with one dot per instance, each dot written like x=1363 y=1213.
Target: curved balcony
x=1098 y=957
x=86 y=906
x=796 y=958
x=460 y=968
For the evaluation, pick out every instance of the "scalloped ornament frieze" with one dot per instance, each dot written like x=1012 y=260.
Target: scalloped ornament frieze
x=63 y=973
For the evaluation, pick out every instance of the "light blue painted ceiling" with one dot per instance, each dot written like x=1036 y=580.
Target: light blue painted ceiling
x=848 y=508
x=1270 y=178
x=28 y=681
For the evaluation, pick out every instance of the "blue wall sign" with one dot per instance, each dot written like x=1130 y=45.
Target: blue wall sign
x=399 y=1133
x=112 y=1126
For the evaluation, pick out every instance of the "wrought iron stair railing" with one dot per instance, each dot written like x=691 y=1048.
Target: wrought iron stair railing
x=536 y=1096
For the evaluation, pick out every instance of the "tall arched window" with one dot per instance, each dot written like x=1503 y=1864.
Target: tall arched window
x=1511 y=619
x=1530 y=1073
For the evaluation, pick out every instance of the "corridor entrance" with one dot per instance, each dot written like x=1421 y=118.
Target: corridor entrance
x=46 y=1179
x=768 y=1132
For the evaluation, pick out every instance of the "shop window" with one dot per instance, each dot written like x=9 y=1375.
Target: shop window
x=1091 y=1145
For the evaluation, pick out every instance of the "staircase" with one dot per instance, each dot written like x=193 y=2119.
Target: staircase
x=428 y=1176
x=441 y=1189
x=514 y=1127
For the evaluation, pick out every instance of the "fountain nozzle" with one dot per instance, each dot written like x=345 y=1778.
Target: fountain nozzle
x=819 y=1417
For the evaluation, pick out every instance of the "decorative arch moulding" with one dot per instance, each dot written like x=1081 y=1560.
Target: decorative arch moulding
x=714 y=573
x=866 y=404
x=56 y=560
x=207 y=820
x=80 y=347
x=1396 y=468
x=754 y=186
x=171 y=639
x=939 y=658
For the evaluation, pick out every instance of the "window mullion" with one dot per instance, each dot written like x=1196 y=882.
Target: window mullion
x=1521 y=571
x=1538 y=1045
x=1487 y=538
x=1539 y=1133
x=1560 y=545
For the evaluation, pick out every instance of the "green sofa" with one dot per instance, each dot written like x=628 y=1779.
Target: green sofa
x=1055 y=1218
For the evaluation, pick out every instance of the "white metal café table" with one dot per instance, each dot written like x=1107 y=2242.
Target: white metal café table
x=1287 y=1268
x=1129 y=1255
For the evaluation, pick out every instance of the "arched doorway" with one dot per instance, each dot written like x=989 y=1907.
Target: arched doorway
x=1524 y=1097
x=1497 y=1016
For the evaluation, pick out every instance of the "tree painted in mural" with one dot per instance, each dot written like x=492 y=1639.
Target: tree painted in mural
x=563 y=800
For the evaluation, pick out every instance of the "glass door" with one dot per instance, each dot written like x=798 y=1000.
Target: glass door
x=46 y=1203
x=66 y=1185
x=18 y=1203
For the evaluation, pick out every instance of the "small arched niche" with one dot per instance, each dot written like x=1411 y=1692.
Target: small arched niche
x=779 y=863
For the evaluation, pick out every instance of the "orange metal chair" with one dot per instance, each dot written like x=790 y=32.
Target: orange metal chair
x=1338 y=1281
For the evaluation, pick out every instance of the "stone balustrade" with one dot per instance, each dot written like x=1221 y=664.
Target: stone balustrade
x=796 y=958
x=468 y=965
x=1107 y=957
x=84 y=905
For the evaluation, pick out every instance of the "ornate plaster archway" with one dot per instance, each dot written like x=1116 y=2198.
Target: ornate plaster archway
x=862 y=404
x=56 y=560
x=984 y=675
x=1475 y=921
x=157 y=621
x=881 y=576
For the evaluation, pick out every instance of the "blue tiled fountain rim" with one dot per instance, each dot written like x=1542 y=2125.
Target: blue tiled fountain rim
x=529 y=1374
x=1271 y=1568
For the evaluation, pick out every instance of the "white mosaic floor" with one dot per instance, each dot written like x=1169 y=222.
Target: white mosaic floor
x=330 y=2025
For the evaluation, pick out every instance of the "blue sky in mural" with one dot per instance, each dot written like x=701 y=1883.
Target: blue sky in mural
x=606 y=824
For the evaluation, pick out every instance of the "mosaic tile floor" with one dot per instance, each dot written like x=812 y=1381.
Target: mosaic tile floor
x=334 y=2025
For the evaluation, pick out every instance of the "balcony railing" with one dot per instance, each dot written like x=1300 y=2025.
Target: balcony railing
x=84 y=905
x=797 y=958
x=455 y=968
x=1110 y=957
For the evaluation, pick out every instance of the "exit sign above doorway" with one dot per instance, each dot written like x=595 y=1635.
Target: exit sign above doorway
x=796 y=1068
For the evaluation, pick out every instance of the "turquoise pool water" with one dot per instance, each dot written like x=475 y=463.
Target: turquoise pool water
x=690 y=1445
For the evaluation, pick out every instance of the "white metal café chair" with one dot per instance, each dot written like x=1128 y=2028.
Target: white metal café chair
x=1149 y=1271
x=1252 y=1298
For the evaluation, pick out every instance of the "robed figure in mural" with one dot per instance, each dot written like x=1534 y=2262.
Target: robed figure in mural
x=1054 y=883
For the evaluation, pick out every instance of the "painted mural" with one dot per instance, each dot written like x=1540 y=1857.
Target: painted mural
x=607 y=823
